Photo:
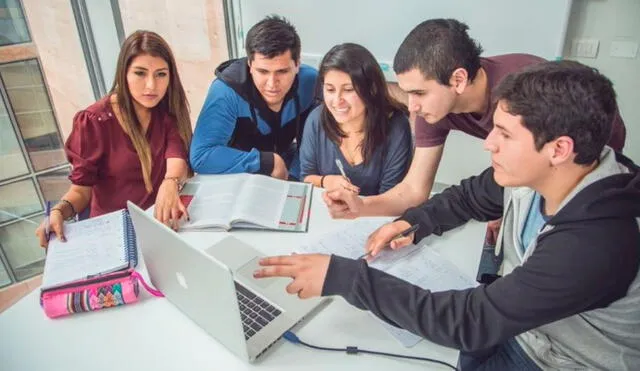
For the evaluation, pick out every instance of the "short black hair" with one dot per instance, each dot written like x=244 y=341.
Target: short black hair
x=562 y=98
x=437 y=47
x=273 y=36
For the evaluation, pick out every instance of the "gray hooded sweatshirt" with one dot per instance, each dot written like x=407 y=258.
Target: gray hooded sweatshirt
x=572 y=301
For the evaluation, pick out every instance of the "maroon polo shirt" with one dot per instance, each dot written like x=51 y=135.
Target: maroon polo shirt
x=479 y=126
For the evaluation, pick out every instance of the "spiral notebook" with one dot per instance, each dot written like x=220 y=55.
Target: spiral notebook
x=94 y=247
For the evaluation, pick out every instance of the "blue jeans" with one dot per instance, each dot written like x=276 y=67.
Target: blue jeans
x=506 y=356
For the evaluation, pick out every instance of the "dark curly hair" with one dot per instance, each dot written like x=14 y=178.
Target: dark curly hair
x=562 y=98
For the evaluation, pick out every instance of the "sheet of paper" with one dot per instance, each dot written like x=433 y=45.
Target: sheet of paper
x=406 y=338
x=429 y=270
x=432 y=271
x=350 y=241
x=94 y=246
x=419 y=265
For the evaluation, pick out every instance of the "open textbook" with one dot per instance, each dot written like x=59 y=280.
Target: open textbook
x=223 y=202
x=417 y=264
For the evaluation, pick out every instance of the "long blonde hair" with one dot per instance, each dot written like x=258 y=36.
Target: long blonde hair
x=174 y=101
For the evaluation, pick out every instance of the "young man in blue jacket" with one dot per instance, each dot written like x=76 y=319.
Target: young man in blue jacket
x=253 y=116
x=569 y=293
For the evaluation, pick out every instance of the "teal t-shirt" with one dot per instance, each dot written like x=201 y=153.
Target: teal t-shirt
x=535 y=221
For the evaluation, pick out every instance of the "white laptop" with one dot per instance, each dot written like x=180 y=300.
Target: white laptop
x=216 y=289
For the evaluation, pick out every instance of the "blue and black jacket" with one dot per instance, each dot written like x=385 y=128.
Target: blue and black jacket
x=237 y=132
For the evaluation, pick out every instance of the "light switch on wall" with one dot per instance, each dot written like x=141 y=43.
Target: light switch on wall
x=623 y=49
x=585 y=48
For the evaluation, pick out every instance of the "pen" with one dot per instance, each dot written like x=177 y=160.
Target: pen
x=402 y=234
x=344 y=175
x=47 y=210
x=341 y=168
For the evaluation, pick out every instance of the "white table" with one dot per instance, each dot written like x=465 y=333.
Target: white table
x=153 y=335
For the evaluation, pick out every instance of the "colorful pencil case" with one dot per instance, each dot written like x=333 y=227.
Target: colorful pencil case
x=111 y=290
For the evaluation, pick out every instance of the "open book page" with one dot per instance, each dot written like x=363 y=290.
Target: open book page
x=295 y=212
x=94 y=246
x=261 y=201
x=213 y=201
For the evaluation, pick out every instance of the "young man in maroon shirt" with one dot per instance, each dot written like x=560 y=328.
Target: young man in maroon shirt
x=448 y=87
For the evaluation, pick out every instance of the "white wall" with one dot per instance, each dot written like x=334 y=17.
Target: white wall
x=607 y=21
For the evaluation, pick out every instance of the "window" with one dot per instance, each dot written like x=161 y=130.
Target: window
x=25 y=256
x=28 y=97
x=33 y=167
x=101 y=34
x=12 y=162
x=4 y=276
x=13 y=28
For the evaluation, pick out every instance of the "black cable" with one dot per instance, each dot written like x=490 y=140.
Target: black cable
x=293 y=338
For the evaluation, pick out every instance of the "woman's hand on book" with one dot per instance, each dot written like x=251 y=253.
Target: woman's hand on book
x=169 y=209
x=53 y=225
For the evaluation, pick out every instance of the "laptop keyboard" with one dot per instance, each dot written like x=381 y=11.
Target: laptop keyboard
x=254 y=311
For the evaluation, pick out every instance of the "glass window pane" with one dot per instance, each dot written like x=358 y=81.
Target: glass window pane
x=12 y=161
x=13 y=28
x=4 y=276
x=54 y=184
x=18 y=199
x=21 y=246
x=30 y=104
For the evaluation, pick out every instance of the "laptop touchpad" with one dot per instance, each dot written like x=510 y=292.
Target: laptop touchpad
x=246 y=272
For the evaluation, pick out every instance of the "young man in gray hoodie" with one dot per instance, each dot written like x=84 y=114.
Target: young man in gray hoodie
x=569 y=293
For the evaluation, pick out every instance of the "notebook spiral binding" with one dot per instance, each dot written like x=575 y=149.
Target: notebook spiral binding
x=130 y=246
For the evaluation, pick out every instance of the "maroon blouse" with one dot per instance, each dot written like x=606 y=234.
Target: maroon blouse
x=103 y=157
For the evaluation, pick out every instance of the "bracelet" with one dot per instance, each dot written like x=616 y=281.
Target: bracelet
x=58 y=210
x=322 y=181
x=73 y=209
x=179 y=182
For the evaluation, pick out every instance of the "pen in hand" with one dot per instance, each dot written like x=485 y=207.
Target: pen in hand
x=47 y=226
x=406 y=233
x=341 y=168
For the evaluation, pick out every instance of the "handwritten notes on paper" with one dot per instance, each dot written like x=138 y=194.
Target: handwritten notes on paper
x=94 y=246
x=417 y=264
